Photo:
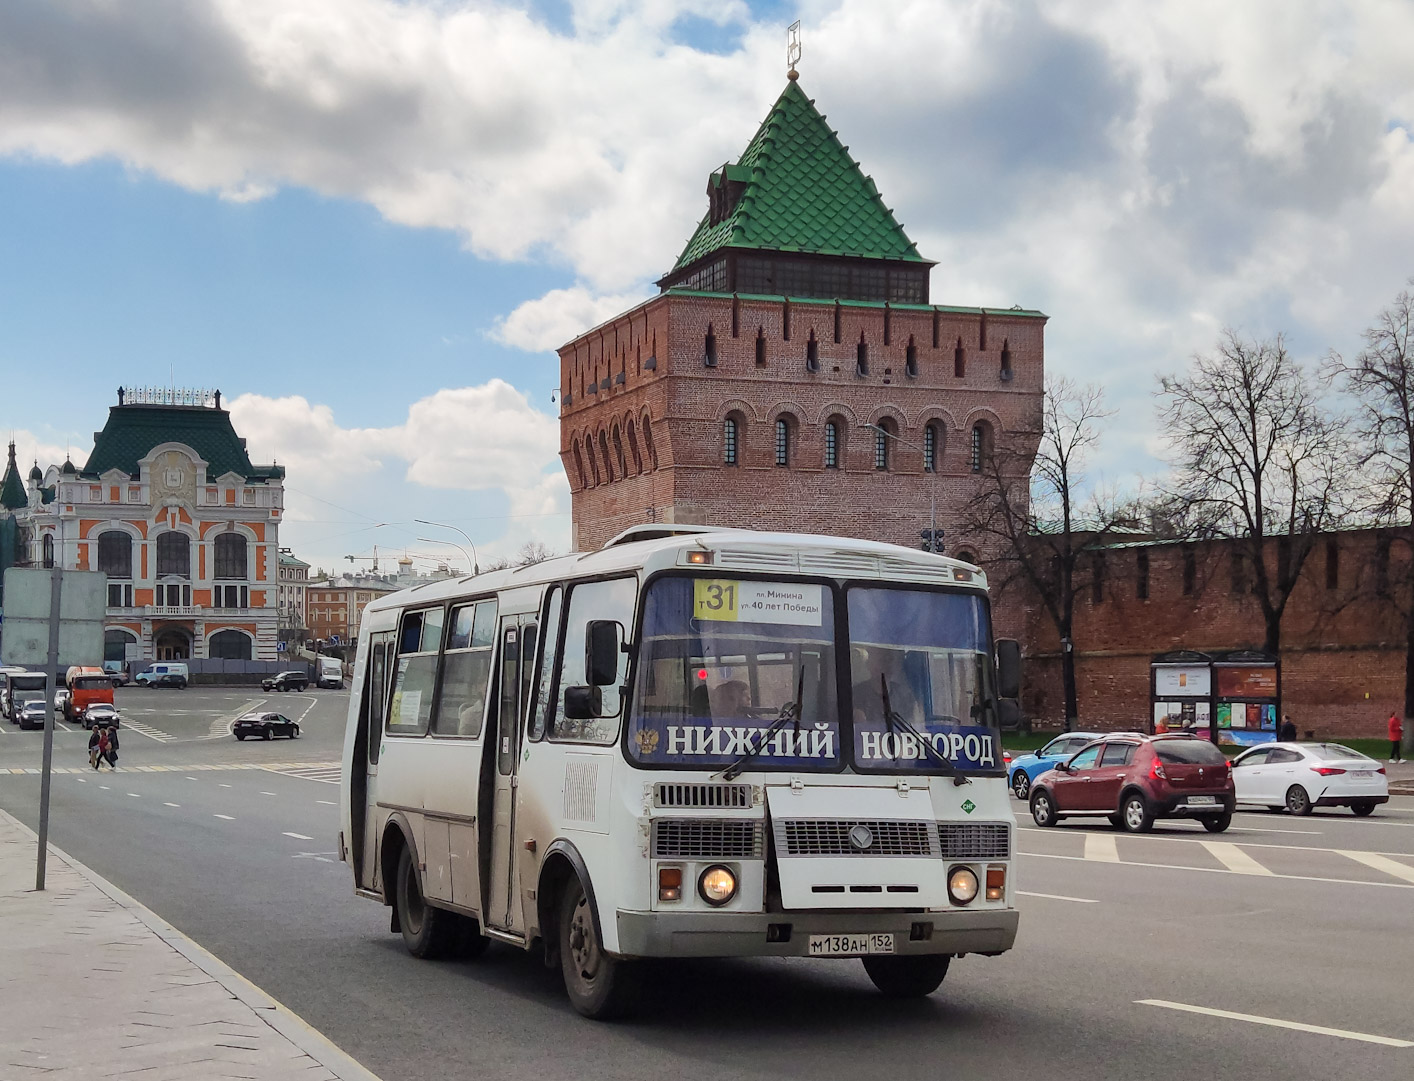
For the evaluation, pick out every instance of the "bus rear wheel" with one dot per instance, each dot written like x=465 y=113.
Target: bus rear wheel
x=907 y=977
x=427 y=932
x=599 y=986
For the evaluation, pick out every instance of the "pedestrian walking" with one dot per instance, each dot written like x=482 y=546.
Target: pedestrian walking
x=1396 y=733
x=112 y=753
x=94 y=737
x=98 y=746
x=1287 y=733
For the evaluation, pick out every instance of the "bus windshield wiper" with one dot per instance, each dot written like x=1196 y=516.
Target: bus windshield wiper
x=790 y=713
x=895 y=721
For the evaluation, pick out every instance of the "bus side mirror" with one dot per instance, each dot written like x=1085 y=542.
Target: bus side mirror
x=1008 y=668
x=603 y=640
x=583 y=703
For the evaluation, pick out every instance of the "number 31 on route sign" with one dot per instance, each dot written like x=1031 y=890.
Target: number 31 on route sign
x=714 y=598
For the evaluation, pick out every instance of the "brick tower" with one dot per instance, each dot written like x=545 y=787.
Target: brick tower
x=797 y=315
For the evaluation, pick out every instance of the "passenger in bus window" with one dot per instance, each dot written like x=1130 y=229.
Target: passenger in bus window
x=874 y=666
x=731 y=700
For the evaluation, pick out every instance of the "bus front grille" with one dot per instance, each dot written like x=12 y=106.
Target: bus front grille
x=666 y=794
x=974 y=840
x=854 y=837
x=707 y=839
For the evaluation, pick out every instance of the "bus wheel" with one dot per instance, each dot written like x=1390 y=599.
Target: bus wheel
x=907 y=977
x=427 y=932
x=599 y=986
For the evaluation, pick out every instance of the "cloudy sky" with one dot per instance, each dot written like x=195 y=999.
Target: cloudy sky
x=370 y=222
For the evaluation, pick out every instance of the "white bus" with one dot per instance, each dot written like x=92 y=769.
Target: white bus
x=695 y=742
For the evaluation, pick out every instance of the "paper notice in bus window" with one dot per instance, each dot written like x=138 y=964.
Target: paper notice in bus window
x=406 y=706
x=724 y=600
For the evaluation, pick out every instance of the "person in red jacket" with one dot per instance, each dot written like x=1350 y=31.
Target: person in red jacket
x=1396 y=733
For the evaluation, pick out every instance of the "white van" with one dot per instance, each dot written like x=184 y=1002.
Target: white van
x=331 y=673
x=176 y=669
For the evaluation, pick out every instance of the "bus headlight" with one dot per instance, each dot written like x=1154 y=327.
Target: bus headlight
x=962 y=885
x=717 y=885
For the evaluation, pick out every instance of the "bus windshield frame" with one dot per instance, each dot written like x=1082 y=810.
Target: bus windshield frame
x=684 y=714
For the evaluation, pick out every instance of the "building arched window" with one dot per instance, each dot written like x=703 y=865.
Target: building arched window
x=709 y=348
x=981 y=445
x=652 y=451
x=812 y=353
x=782 y=441
x=731 y=436
x=47 y=549
x=115 y=554
x=959 y=360
x=760 y=347
x=1006 y=359
x=883 y=436
x=632 y=432
x=619 y=452
x=173 y=554
x=910 y=359
x=230 y=646
x=604 y=457
x=230 y=555
x=966 y=556
x=832 y=443
x=579 y=466
x=930 y=448
x=861 y=356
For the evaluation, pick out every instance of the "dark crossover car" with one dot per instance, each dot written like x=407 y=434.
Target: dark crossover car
x=31 y=713
x=1132 y=780
x=169 y=679
x=265 y=726
x=285 y=681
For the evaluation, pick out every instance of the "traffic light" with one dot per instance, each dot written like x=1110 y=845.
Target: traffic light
x=932 y=540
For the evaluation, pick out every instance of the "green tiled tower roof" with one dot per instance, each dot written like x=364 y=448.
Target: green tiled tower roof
x=12 y=489
x=800 y=192
x=133 y=430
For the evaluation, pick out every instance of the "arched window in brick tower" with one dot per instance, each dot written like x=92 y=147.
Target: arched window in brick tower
x=812 y=353
x=646 y=425
x=981 y=445
x=861 y=356
x=593 y=461
x=910 y=359
x=1006 y=359
x=931 y=442
x=782 y=441
x=579 y=466
x=832 y=443
x=760 y=346
x=709 y=348
x=632 y=433
x=883 y=436
x=46 y=546
x=604 y=457
x=619 y=459
x=731 y=436
x=959 y=360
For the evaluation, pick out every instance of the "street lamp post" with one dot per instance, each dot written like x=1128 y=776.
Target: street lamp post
x=932 y=488
x=475 y=568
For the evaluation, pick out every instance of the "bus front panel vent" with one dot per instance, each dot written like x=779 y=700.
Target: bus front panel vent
x=667 y=794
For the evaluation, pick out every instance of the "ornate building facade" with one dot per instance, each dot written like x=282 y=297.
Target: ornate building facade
x=793 y=373
x=171 y=508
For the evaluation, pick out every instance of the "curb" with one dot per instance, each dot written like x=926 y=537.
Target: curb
x=274 y=1013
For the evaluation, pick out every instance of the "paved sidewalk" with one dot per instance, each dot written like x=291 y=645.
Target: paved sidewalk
x=95 y=985
x=1401 y=778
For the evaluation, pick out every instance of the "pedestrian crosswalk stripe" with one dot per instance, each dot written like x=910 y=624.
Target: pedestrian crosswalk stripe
x=1101 y=847
x=1234 y=859
x=1382 y=863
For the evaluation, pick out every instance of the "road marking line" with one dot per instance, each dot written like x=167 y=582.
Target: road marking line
x=134 y=795
x=1059 y=897
x=267 y=793
x=171 y=805
x=327 y=802
x=1383 y=863
x=1234 y=859
x=104 y=787
x=225 y=786
x=1169 y=838
x=1101 y=847
x=1319 y=1030
x=228 y=818
x=299 y=836
x=1225 y=871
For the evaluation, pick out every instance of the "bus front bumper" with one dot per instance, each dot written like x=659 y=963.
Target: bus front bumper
x=788 y=934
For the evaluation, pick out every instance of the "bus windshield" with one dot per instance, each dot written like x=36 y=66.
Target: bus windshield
x=720 y=659
x=925 y=655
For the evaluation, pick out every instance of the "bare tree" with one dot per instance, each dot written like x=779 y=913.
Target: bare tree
x=1039 y=522
x=1380 y=378
x=1255 y=452
x=532 y=552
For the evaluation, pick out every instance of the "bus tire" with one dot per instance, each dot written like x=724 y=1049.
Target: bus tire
x=600 y=987
x=427 y=932
x=907 y=977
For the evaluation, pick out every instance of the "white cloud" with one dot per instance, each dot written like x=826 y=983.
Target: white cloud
x=547 y=322
x=1143 y=170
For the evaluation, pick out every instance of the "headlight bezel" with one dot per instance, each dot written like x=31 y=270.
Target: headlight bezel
x=702 y=885
x=956 y=893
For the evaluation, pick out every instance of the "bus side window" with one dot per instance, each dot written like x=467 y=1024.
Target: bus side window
x=541 y=707
x=610 y=600
x=415 y=677
x=466 y=670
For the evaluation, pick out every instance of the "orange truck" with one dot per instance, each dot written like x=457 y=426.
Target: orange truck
x=87 y=686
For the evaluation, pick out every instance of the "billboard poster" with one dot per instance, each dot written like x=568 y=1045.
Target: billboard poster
x=1177 y=715
x=1182 y=681
x=1257 y=682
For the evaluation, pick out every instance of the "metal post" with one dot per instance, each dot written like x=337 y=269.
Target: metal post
x=50 y=682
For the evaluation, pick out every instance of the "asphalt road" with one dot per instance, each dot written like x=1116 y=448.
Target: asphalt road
x=1304 y=920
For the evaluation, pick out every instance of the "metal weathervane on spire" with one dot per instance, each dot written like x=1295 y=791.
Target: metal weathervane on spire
x=793 y=48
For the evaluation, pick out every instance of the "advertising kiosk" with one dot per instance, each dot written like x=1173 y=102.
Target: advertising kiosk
x=1231 y=697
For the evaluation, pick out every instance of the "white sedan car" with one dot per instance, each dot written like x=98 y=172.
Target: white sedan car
x=1300 y=776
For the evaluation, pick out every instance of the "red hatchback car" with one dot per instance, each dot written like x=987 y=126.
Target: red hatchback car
x=1133 y=780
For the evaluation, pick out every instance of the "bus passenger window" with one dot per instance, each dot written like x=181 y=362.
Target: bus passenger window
x=420 y=640
x=466 y=669
x=612 y=600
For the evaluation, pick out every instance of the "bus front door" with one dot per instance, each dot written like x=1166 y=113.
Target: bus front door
x=363 y=773
x=517 y=667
